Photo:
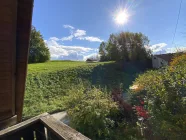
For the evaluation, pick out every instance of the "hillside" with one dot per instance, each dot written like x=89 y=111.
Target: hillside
x=47 y=83
x=52 y=66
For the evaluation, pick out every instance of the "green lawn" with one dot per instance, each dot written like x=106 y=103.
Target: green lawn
x=57 y=66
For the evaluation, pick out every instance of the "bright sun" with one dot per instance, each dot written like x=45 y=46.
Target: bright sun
x=122 y=17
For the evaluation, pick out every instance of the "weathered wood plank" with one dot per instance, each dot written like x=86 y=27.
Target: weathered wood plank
x=56 y=130
x=61 y=130
x=21 y=126
x=8 y=122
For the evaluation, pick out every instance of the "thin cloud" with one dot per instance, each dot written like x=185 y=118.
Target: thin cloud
x=54 y=38
x=79 y=33
x=91 y=39
x=68 y=26
x=68 y=38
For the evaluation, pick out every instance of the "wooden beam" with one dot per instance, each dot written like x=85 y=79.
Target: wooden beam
x=25 y=8
x=21 y=126
x=55 y=129
x=61 y=130
x=8 y=20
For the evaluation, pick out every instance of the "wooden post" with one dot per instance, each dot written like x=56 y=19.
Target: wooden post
x=24 y=19
x=8 y=14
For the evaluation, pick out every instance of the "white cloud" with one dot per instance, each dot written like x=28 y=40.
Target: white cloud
x=61 y=52
x=174 y=50
x=67 y=38
x=54 y=38
x=77 y=48
x=157 y=47
x=68 y=26
x=91 y=39
x=161 y=48
x=79 y=33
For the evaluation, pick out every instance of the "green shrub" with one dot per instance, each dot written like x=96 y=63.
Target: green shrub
x=164 y=93
x=178 y=60
x=90 y=110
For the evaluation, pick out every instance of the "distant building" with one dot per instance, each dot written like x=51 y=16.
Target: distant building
x=161 y=60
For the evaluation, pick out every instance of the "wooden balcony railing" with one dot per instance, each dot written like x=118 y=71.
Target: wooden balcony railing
x=42 y=127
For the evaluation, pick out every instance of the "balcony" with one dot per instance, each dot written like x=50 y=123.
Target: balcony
x=42 y=127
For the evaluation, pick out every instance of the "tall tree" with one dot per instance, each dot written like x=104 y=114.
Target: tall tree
x=38 y=52
x=126 y=46
x=102 y=51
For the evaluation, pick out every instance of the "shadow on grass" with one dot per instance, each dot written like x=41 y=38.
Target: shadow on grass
x=116 y=75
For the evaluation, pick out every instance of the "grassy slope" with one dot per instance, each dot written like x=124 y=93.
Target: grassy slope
x=56 y=66
x=47 y=83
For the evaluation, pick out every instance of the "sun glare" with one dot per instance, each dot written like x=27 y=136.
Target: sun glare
x=122 y=17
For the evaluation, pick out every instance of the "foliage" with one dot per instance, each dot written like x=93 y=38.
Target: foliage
x=125 y=46
x=102 y=51
x=47 y=83
x=90 y=111
x=163 y=92
x=38 y=52
x=93 y=113
x=178 y=60
x=49 y=87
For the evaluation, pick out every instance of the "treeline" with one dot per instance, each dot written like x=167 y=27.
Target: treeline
x=125 y=46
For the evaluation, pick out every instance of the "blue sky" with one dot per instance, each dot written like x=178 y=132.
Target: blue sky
x=73 y=29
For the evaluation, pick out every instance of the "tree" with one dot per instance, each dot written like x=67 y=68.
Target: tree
x=102 y=51
x=38 y=52
x=126 y=46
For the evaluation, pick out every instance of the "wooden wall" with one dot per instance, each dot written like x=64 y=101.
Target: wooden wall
x=15 y=26
x=8 y=24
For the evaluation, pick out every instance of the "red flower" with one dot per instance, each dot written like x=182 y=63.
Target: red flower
x=141 y=112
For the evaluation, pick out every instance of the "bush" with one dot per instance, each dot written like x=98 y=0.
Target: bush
x=178 y=60
x=90 y=111
x=164 y=93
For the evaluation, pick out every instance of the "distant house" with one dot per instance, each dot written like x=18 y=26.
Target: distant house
x=161 y=60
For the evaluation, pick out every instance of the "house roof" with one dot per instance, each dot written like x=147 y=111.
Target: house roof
x=167 y=57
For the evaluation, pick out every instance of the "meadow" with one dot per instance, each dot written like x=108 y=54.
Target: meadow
x=47 y=83
x=51 y=66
